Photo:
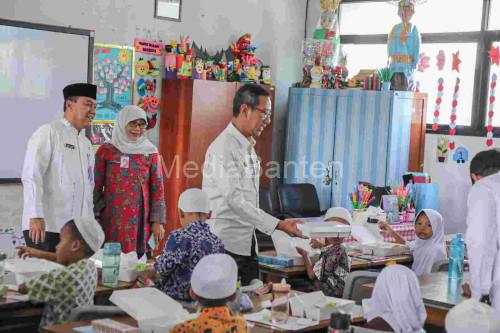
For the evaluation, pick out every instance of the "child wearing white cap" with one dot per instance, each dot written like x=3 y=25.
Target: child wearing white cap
x=213 y=284
x=186 y=246
x=331 y=270
x=62 y=290
x=472 y=316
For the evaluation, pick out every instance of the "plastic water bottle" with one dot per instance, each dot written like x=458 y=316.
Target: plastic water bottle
x=111 y=264
x=237 y=301
x=456 y=259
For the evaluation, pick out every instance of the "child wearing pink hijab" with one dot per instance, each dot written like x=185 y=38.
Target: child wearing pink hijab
x=429 y=246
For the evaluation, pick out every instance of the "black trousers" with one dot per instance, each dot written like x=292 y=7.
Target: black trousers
x=51 y=241
x=248 y=266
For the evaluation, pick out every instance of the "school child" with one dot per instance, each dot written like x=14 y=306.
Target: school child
x=186 y=246
x=65 y=289
x=213 y=284
x=330 y=271
x=396 y=304
x=429 y=246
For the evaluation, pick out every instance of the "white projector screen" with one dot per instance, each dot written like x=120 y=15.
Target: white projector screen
x=36 y=63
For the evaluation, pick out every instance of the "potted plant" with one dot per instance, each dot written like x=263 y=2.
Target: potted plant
x=442 y=149
x=385 y=75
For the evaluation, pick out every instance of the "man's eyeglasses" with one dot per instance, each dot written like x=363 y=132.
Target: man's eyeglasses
x=134 y=124
x=265 y=113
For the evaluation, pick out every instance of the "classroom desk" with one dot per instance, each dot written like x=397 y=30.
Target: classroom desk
x=257 y=328
x=24 y=316
x=267 y=272
x=439 y=294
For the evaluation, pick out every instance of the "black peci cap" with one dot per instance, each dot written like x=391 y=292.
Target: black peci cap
x=80 y=89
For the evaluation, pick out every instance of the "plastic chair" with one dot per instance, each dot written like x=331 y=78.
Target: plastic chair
x=354 y=289
x=90 y=312
x=440 y=266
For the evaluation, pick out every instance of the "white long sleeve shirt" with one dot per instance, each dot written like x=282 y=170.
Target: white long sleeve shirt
x=483 y=238
x=58 y=175
x=231 y=180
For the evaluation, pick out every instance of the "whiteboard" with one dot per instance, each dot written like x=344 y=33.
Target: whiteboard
x=36 y=63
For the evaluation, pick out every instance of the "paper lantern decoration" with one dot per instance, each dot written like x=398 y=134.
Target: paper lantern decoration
x=491 y=112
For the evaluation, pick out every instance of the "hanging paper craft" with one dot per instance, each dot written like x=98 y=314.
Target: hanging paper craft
x=494 y=55
x=491 y=112
x=142 y=67
x=151 y=87
x=148 y=47
x=442 y=149
x=154 y=67
x=113 y=77
x=455 y=66
x=152 y=120
x=461 y=155
x=141 y=87
x=437 y=108
x=423 y=62
x=441 y=60
x=453 y=116
x=151 y=104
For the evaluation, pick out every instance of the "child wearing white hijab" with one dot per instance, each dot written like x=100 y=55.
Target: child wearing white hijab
x=396 y=303
x=429 y=246
x=472 y=316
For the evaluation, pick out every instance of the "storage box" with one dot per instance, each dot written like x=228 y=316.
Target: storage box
x=384 y=249
x=112 y=326
x=325 y=229
x=316 y=305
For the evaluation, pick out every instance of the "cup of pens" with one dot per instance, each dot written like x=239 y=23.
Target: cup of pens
x=361 y=198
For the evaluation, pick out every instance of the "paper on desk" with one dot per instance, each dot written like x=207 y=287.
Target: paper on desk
x=292 y=324
x=286 y=246
x=150 y=307
x=27 y=269
x=312 y=305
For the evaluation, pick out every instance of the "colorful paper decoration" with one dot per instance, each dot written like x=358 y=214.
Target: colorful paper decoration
x=437 y=108
x=141 y=87
x=453 y=116
x=455 y=66
x=142 y=67
x=423 y=62
x=148 y=47
x=442 y=149
x=494 y=55
x=491 y=112
x=461 y=155
x=113 y=76
x=441 y=60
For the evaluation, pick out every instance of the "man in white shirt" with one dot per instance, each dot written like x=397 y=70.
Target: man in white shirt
x=231 y=180
x=58 y=172
x=483 y=227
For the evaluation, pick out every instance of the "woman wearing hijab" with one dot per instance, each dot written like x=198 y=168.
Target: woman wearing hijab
x=396 y=304
x=429 y=246
x=128 y=193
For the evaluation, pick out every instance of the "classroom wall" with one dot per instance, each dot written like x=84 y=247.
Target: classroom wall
x=277 y=29
x=453 y=179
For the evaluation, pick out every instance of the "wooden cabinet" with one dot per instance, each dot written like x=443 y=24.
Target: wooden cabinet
x=193 y=114
x=341 y=137
x=417 y=137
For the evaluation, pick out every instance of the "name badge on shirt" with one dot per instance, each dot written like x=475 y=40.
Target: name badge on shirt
x=70 y=146
x=124 y=162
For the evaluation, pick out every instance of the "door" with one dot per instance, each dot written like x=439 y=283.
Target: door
x=361 y=138
x=309 y=139
x=417 y=137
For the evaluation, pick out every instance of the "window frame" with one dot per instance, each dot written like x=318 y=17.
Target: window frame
x=484 y=39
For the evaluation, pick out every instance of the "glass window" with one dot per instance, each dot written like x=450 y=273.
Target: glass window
x=494 y=21
x=448 y=16
x=428 y=80
x=358 y=18
x=365 y=18
x=496 y=115
x=365 y=56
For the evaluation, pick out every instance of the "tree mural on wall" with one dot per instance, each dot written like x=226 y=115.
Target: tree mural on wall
x=112 y=78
